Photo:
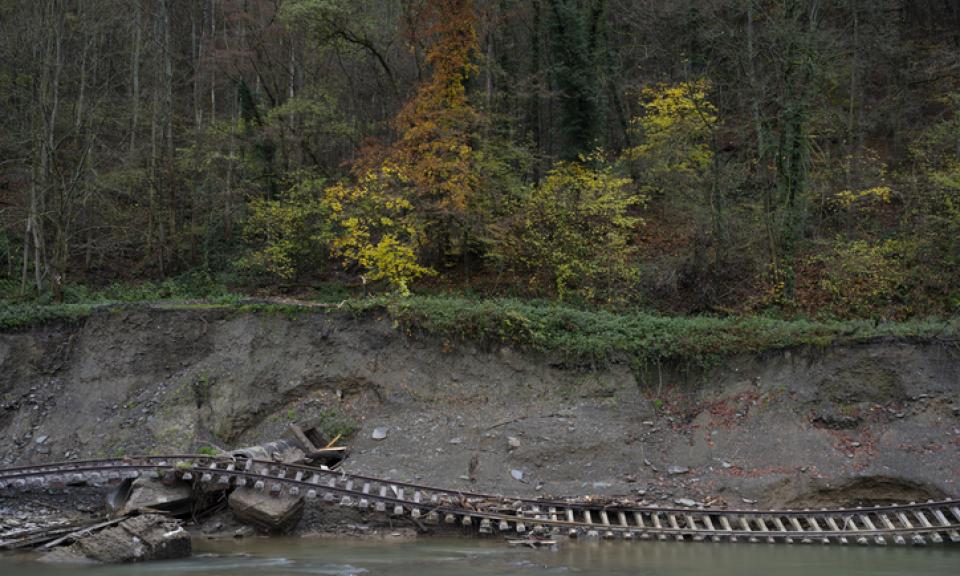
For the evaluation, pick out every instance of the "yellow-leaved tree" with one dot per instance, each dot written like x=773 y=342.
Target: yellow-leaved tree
x=675 y=131
x=576 y=237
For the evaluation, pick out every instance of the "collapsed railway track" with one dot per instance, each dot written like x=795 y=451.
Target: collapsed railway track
x=915 y=523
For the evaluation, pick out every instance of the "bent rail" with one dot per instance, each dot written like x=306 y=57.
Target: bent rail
x=913 y=523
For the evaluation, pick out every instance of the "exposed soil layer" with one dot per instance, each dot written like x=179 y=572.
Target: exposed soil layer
x=866 y=424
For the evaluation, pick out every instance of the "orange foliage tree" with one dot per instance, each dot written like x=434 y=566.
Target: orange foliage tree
x=435 y=152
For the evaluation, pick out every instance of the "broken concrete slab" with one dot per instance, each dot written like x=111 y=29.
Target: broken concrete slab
x=152 y=494
x=274 y=514
x=137 y=539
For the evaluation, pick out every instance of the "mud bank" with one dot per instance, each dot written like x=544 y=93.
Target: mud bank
x=846 y=425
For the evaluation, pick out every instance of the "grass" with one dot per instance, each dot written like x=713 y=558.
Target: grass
x=576 y=336
x=581 y=336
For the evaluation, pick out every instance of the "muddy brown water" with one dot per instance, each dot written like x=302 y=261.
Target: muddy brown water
x=449 y=557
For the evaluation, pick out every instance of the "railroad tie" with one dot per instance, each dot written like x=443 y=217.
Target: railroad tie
x=486 y=527
x=380 y=505
x=851 y=524
x=955 y=510
x=708 y=522
x=725 y=526
x=865 y=519
x=347 y=500
x=692 y=526
x=795 y=522
x=942 y=518
x=763 y=528
x=778 y=523
x=655 y=517
x=888 y=524
x=935 y=536
x=622 y=518
x=537 y=528
x=608 y=534
x=572 y=533
x=746 y=528
x=673 y=524
x=415 y=511
x=812 y=520
x=364 y=502
x=588 y=519
x=397 y=508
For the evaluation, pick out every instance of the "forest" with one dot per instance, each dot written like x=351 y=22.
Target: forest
x=793 y=158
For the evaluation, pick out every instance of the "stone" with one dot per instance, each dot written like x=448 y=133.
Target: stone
x=457 y=440
x=148 y=493
x=379 y=433
x=748 y=501
x=686 y=502
x=274 y=514
x=513 y=442
x=726 y=464
x=517 y=474
x=138 y=539
x=677 y=470
x=41 y=439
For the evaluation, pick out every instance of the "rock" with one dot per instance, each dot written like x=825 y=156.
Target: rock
x=677 y=470
x=836 y=421
x=275 y=514
x=855 y=444
x=517 y=474
x=748 y=501
x=513 y=442
x=726 y=464
x=138 y=539
x=686 y=502
x=148 y=493
x=379 y=433
x=456 y=440
x=41 y=439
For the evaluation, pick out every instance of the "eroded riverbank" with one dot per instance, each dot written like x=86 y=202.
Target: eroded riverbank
x=863 y=424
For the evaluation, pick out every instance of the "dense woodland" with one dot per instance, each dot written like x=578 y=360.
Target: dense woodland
x=789 y=157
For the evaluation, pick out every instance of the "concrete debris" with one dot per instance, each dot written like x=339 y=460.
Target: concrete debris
x=274 y=514
x=153 y=494
x=138 y=539
x=517 y=474
x=379 y=433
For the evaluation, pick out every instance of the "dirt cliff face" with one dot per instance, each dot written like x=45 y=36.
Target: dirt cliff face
x=855 y=425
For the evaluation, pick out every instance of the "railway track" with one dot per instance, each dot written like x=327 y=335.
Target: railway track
x=915 y=523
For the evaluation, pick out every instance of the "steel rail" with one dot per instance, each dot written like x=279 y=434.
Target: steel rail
x=697 y=523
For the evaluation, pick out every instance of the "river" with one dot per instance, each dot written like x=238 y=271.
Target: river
x=462 y=557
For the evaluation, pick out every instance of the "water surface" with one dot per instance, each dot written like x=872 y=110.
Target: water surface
x=463 y=557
